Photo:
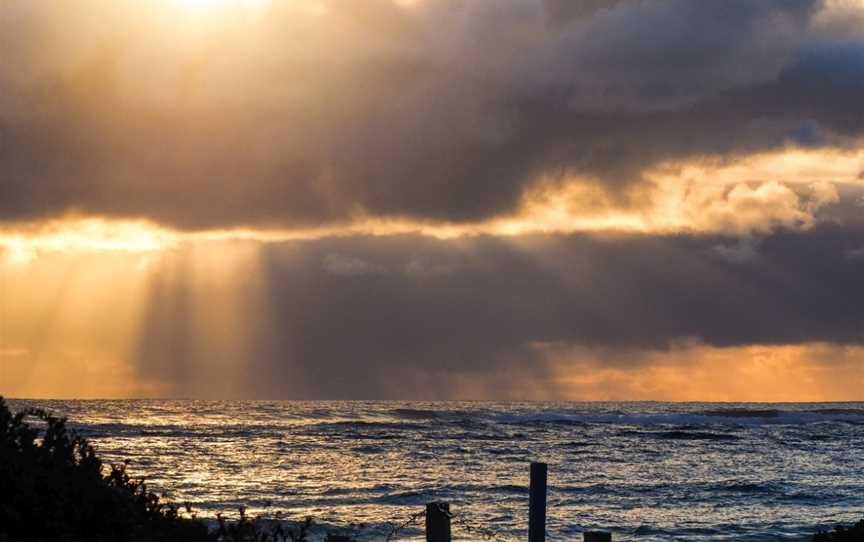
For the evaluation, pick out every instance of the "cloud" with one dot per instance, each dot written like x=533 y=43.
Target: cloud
x=745 y=249
x=340 y=264
x=744 y=208
x=823 y=193
x=855 y=253
x=441 y=111
x=728 y=134
x=495 y=310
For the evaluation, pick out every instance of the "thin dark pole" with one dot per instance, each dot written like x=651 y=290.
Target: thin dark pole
x=537 y=504
x=438 y=522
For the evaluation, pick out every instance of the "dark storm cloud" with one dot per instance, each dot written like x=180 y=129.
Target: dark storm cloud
x=446 y=110
x=354 y=317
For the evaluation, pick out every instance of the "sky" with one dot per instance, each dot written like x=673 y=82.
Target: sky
x=432 y=199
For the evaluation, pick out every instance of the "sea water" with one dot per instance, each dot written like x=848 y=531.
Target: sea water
x=645 y=471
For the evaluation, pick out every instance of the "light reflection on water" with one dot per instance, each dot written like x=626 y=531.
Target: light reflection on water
x=647 y=471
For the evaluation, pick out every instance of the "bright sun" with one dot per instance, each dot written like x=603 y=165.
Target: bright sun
x=219 y=4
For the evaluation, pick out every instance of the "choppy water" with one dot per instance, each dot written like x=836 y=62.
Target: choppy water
x=646 y=471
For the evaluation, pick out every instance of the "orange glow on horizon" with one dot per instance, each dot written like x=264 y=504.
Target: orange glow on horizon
x=759 y=373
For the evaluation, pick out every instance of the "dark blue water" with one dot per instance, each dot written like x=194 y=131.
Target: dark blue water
x=646 y=471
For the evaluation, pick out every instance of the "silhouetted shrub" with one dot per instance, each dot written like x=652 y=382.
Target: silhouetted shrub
x=854 y=533
x=54 y=488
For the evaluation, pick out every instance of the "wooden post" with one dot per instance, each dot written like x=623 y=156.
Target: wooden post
x=537 y=504
x=438 y=522
x=597 y=536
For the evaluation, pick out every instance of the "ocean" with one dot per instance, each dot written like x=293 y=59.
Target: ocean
x=645 y=471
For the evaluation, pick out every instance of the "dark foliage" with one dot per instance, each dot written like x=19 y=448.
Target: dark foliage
x=854 y=533
x=54 y=488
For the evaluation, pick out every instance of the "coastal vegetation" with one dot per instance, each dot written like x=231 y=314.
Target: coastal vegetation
x=855 y=533
x=55 y=488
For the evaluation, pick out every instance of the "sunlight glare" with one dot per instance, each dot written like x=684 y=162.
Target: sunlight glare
x=198 y=5
x=24 y=244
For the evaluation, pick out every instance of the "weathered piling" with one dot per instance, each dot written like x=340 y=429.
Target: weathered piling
x=438 y=522
x=537 y=504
